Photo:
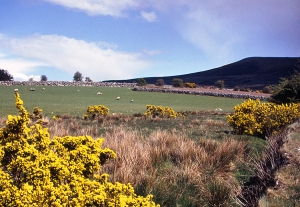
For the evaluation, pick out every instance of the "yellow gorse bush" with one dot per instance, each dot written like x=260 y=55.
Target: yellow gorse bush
x=260 y=118
x=191 y=85
x=160 y=111
x=36 y=114
x=94 y=111
x=64 y=171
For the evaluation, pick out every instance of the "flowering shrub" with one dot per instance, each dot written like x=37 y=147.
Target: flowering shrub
x=256 y=118
x=55 y=118
x=163 y=112
x=190 y=85
x=94 y=111
x=65 y=171
x=36 y=114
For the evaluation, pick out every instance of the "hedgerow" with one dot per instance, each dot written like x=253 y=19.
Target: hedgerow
x=262 y=118
x=64 y=171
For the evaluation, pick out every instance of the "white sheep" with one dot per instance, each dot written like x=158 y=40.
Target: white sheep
x=16 y=90
x=131 y=100
x=118 y=98
x=99 y=93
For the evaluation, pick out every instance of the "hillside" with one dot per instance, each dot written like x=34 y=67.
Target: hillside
x=253 y=72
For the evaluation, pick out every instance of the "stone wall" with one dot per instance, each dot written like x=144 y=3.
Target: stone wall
x=221 y=93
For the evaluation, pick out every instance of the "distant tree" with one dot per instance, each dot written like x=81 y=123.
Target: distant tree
x=220 y=84
x=177 y=82
x=87 y=79
x=141 y=82
x=236 y=88
x=5 y=76
x=77 y=76
x=44 y=78
x=267 y=89
x=160 y=82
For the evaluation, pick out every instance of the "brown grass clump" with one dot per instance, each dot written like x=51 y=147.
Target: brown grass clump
x=172 y=167
x=72 y=127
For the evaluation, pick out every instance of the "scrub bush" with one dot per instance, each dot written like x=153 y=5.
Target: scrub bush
x=190 y=85
x=288 y=90
x=259 y=118
x=64 y=171
x=36 y=114
x=95 y=111
x=162 y=112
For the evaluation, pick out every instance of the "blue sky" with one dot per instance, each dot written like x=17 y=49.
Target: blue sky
x=122 y=39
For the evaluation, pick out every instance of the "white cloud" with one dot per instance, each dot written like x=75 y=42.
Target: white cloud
x=98 y=7
x=229 y=30
x=20 y=68
x=148 y=16
x=151 y=52
x=73 y=55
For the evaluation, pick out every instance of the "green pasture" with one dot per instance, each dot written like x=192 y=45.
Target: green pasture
x=74 y=100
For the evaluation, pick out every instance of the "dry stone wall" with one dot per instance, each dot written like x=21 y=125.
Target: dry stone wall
x=220 y=93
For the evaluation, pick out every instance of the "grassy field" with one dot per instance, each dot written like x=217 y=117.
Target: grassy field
x=75 y=100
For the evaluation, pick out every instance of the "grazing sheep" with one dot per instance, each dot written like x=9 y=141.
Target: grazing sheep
x=99 y=93
x=118 y=98
x=16 y=90
x=131 y=100
x=32 y=89
x=43 y=89
x=218 y=109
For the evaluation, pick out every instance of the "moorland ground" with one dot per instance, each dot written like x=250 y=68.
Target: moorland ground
x=191 y=161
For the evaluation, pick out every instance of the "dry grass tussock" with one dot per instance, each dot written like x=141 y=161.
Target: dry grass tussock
x=71 y=127
x=2 y=121
x=170 y=164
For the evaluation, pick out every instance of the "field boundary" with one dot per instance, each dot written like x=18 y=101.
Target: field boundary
x=207 y=92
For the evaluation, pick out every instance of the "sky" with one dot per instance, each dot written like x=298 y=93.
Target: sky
x=125 y=39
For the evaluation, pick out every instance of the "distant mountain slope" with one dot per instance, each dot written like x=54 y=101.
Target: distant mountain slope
x=253 y=72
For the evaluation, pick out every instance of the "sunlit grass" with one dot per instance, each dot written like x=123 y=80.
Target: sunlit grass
x=74 y=100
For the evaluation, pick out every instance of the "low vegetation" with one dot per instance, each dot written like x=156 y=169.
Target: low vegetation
x=262 y=119
x=288 y=90
x=62 y=171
